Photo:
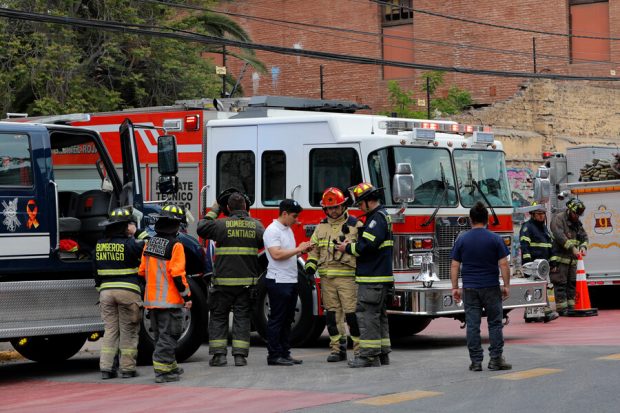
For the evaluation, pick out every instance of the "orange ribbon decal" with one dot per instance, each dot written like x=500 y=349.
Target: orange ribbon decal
x=32 y=211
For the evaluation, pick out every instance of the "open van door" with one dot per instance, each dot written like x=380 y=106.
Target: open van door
x=132 y=193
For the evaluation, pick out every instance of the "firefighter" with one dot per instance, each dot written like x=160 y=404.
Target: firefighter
x=569 y=241
x=238 y=239
x=373 y=274
x=536 y=243
x=336 y=270
x=167 y=290
x=117 y=257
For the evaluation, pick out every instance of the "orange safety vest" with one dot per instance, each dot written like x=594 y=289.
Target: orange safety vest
x=161 y=291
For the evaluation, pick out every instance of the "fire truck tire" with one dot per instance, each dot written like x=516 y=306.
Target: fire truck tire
x=49 y=349
x=195 y=322
x=405 y=326
x=307 y=327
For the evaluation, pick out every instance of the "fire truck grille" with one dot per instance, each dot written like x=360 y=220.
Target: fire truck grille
x=446 y=231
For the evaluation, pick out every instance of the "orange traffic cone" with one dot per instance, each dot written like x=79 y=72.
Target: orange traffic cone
x=582 y=297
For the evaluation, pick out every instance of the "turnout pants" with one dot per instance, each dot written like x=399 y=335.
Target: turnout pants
x=222 y=300
x=339 y=295
x=372 y=319
x=167 y=324
x=564 y=280
x=121 y=311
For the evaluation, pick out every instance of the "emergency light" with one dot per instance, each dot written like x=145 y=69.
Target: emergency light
x=192 y=123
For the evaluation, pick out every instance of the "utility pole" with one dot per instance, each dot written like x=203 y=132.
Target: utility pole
x=534 y=52
x=321 y=79
x=428 y=97
x=224 y=76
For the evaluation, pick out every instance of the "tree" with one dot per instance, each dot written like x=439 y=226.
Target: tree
x=51 y=69
x=402 y=102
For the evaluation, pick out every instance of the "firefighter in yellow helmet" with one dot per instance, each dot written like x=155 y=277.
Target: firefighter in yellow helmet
x=117 y=257
x=569 y=241
x=374 y=276
x=536 y=243
x=336 y=270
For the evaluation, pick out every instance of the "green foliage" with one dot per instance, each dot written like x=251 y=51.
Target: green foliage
x=404 y=104
x=52 y=69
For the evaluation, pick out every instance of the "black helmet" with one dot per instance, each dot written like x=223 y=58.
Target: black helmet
x=222 y=199
x=576 y=206
x=171 y=212
x=364 y=191
x=124 y=214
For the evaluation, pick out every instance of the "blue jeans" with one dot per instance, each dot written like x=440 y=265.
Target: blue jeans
x=475 y=299
x=282 y=302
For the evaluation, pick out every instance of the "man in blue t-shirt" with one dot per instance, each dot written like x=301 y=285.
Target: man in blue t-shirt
x=481 y=255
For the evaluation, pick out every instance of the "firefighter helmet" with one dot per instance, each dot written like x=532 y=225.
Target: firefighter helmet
x=363 y=191
x=124 y=214
x=173 y=212
x=576 y=206
x=332 y=197
x=536 y=207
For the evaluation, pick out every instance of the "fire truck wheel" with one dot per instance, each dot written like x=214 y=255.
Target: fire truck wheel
x=404 y=326
x=49 y=349
x=194 y=328
x=306 y=328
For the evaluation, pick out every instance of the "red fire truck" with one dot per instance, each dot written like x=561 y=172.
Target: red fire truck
x=274 y=148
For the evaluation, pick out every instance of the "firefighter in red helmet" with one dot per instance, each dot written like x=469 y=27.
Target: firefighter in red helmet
x=336 y=270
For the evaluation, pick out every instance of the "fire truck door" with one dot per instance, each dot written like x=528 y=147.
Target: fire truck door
x=231 y=161
x=27 y=197
x=131 y=193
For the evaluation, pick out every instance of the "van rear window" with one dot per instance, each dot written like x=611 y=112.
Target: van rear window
x=15 y=160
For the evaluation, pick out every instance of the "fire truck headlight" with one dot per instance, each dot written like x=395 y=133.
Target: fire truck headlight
x=507 y=240
x=447 y=300
x=538 y=294
x=528 y=296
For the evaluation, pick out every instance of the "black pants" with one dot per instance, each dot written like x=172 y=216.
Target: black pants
x=475 y=299
x=222 y=300
x=282 y=301
x=372 y=319
x=167 y=324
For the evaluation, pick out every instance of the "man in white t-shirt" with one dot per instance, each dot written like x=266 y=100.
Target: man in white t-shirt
x=281 y=282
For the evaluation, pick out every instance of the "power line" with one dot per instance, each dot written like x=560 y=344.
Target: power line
x=287 y=23
x=207 y=39
x=497 y=26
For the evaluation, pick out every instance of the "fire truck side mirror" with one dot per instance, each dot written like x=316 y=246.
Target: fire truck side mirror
x=402 y=184
x=542 y=188
x=167 y=161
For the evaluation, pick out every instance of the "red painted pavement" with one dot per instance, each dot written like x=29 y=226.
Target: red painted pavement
x=601 y=330
x=35 y=396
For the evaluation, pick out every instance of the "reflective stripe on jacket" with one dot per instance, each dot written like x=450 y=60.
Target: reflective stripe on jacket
x=332 y=263
x=535 y=241
x=566 y=235
x=116 y=263
x=373 y=248
x=238 y=239
x=161 y=291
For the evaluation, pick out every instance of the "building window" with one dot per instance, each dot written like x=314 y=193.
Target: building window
x=236 y=170
x=589 y=18
x=397 y=11
x=273 y=177
x=339 y=167
x=15 y=160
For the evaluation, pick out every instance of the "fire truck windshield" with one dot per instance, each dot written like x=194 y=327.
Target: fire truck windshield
x=432 y=169
x=482 y=172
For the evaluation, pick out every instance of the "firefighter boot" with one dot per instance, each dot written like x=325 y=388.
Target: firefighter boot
x=365 y=362
x=240 y=360
x=551 y=316
x=384 y=359
x=218 y=360
x=341 y=353
x=106 y=374
x=499 y=363
x=166 y=377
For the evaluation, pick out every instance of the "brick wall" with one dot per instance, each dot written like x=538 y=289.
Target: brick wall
x=299 y=76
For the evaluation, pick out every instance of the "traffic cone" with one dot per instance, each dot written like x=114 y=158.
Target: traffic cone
x=582 y=297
